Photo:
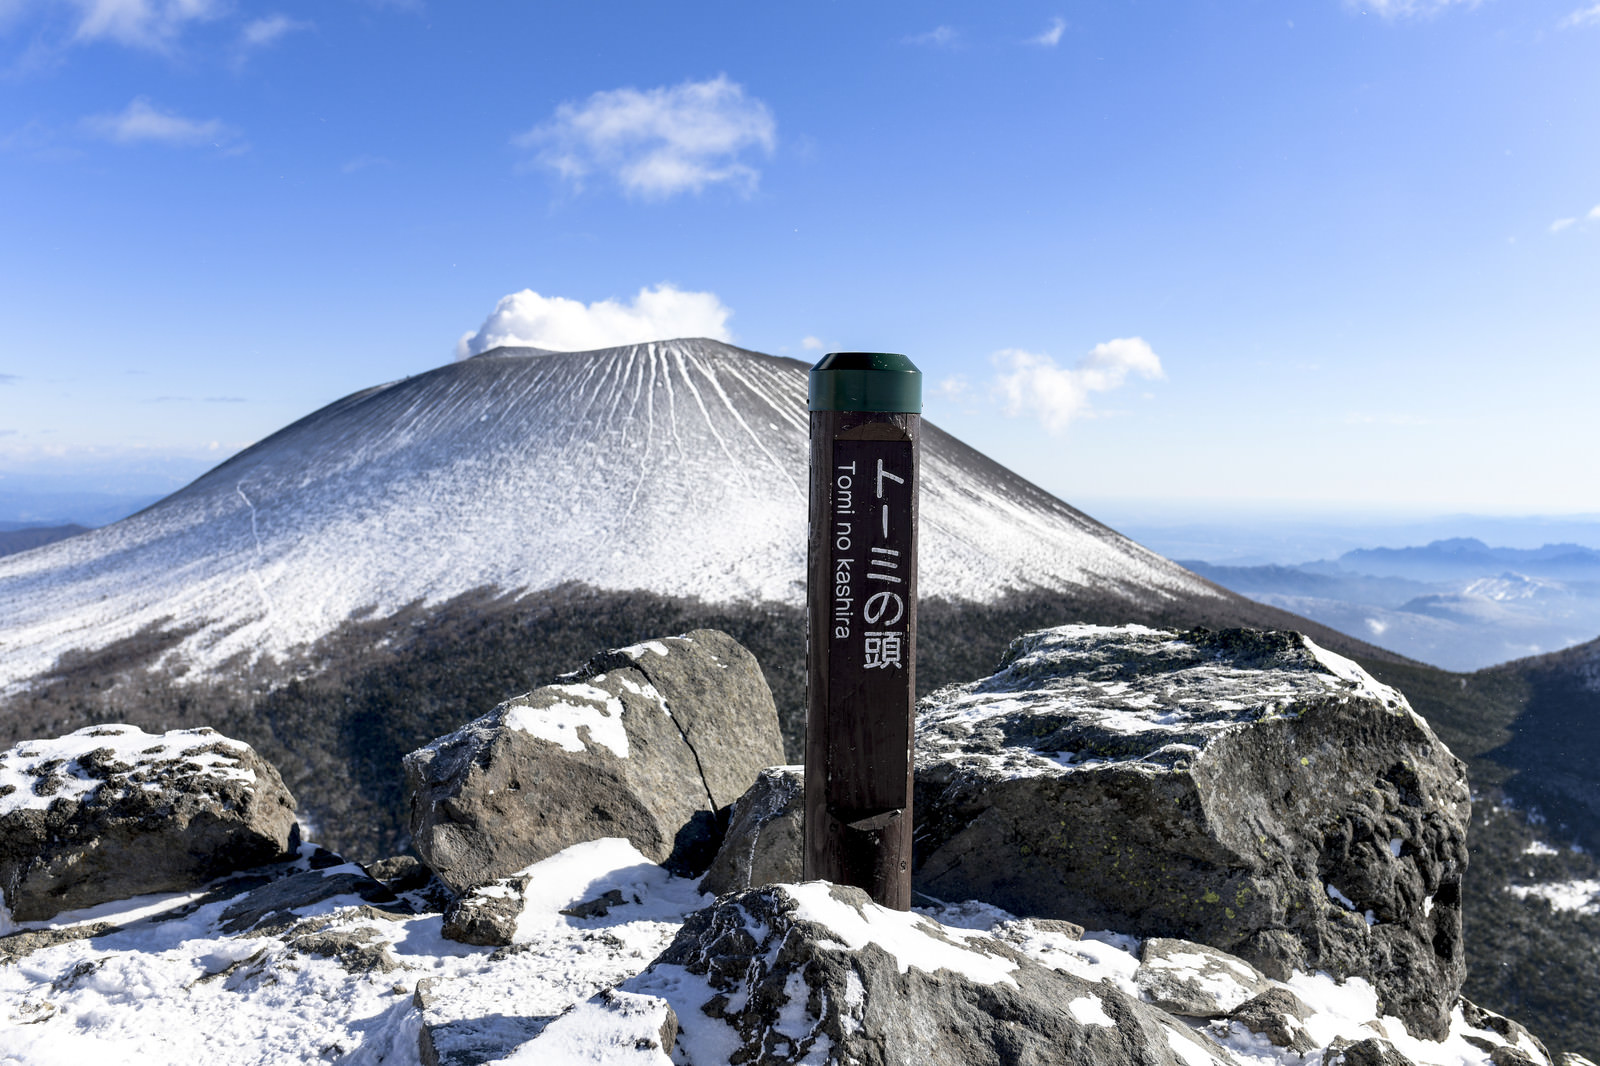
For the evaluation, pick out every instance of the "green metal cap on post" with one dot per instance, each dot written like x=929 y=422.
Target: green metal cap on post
x=866 y=381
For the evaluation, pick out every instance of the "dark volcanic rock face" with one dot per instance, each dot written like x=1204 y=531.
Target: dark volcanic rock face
x=111 y=812
x=1244 y=789
x=644 y=743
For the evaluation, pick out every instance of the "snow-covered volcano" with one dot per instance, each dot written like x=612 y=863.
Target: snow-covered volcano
x=676 y=467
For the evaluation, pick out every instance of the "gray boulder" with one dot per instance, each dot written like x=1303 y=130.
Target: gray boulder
x=1373 y=1051
x=1195 y=980
x=1243 y=789
x=819 y=973
x=646 y=743
x=614 y=1027
x=765 y=837
x=449 y=1036
x=486 y=915
x=1508 y=1042
x=111 y=811
x=1280 y=1016
x=271 y=908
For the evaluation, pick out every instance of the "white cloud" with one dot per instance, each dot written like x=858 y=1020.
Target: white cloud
x=1562 y=223
x=812 y=344
x=953 y=387
x=1034 y=385
x=141 y=23
x=1052 y=34
x=1402 y=9
x=563 y=325
x=659 y=142
x=142 y=122
x=1584 y=16
x=1594 y=213
x=938 y=37
x=264 y=31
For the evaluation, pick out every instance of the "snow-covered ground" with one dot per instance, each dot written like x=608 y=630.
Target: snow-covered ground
x=1582 y=895
x=170 y=986
x=677 y=467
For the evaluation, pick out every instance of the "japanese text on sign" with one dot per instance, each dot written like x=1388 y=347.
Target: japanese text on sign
x=869 y=540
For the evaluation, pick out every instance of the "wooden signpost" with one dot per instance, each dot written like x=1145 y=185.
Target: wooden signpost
x=866 y=414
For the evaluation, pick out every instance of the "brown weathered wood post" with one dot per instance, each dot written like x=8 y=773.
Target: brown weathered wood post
x=861 y=626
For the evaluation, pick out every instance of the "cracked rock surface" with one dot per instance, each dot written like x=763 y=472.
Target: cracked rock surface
x=765 y=837
x=111 y=811
x=647 y=743
x=1242 y=789
x=819 y=973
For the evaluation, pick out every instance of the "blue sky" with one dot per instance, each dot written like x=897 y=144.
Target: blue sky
x=1285 y=255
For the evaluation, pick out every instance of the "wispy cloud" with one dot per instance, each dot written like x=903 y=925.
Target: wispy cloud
x=9 y=379
x=812 y=344
x=938 y=37
x=1561 y=225
x=1584 y=16
x=656 y=143
x=259 y=33
x=661 y=313
x=362 y=162
x=1052 y=34
x=153 y=24
x=225 y=399
x=1034 y=385
x=1405 y=9
x=141 y=122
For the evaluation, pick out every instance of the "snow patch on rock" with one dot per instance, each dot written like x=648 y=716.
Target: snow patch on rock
x=906 y=936
x=35 y=773
x=592 y=709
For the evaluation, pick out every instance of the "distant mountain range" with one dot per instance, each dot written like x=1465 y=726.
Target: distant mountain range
x=25 y=537
x=1458 y=604
x=41 y=503
x=1466 y=557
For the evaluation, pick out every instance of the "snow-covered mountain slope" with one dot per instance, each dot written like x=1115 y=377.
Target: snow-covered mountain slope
x=676 y=467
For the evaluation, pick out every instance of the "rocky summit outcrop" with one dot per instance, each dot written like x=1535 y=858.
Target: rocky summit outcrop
x=111 y=811
x=819 y=973
x=1244 y=789
x=647 y=742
